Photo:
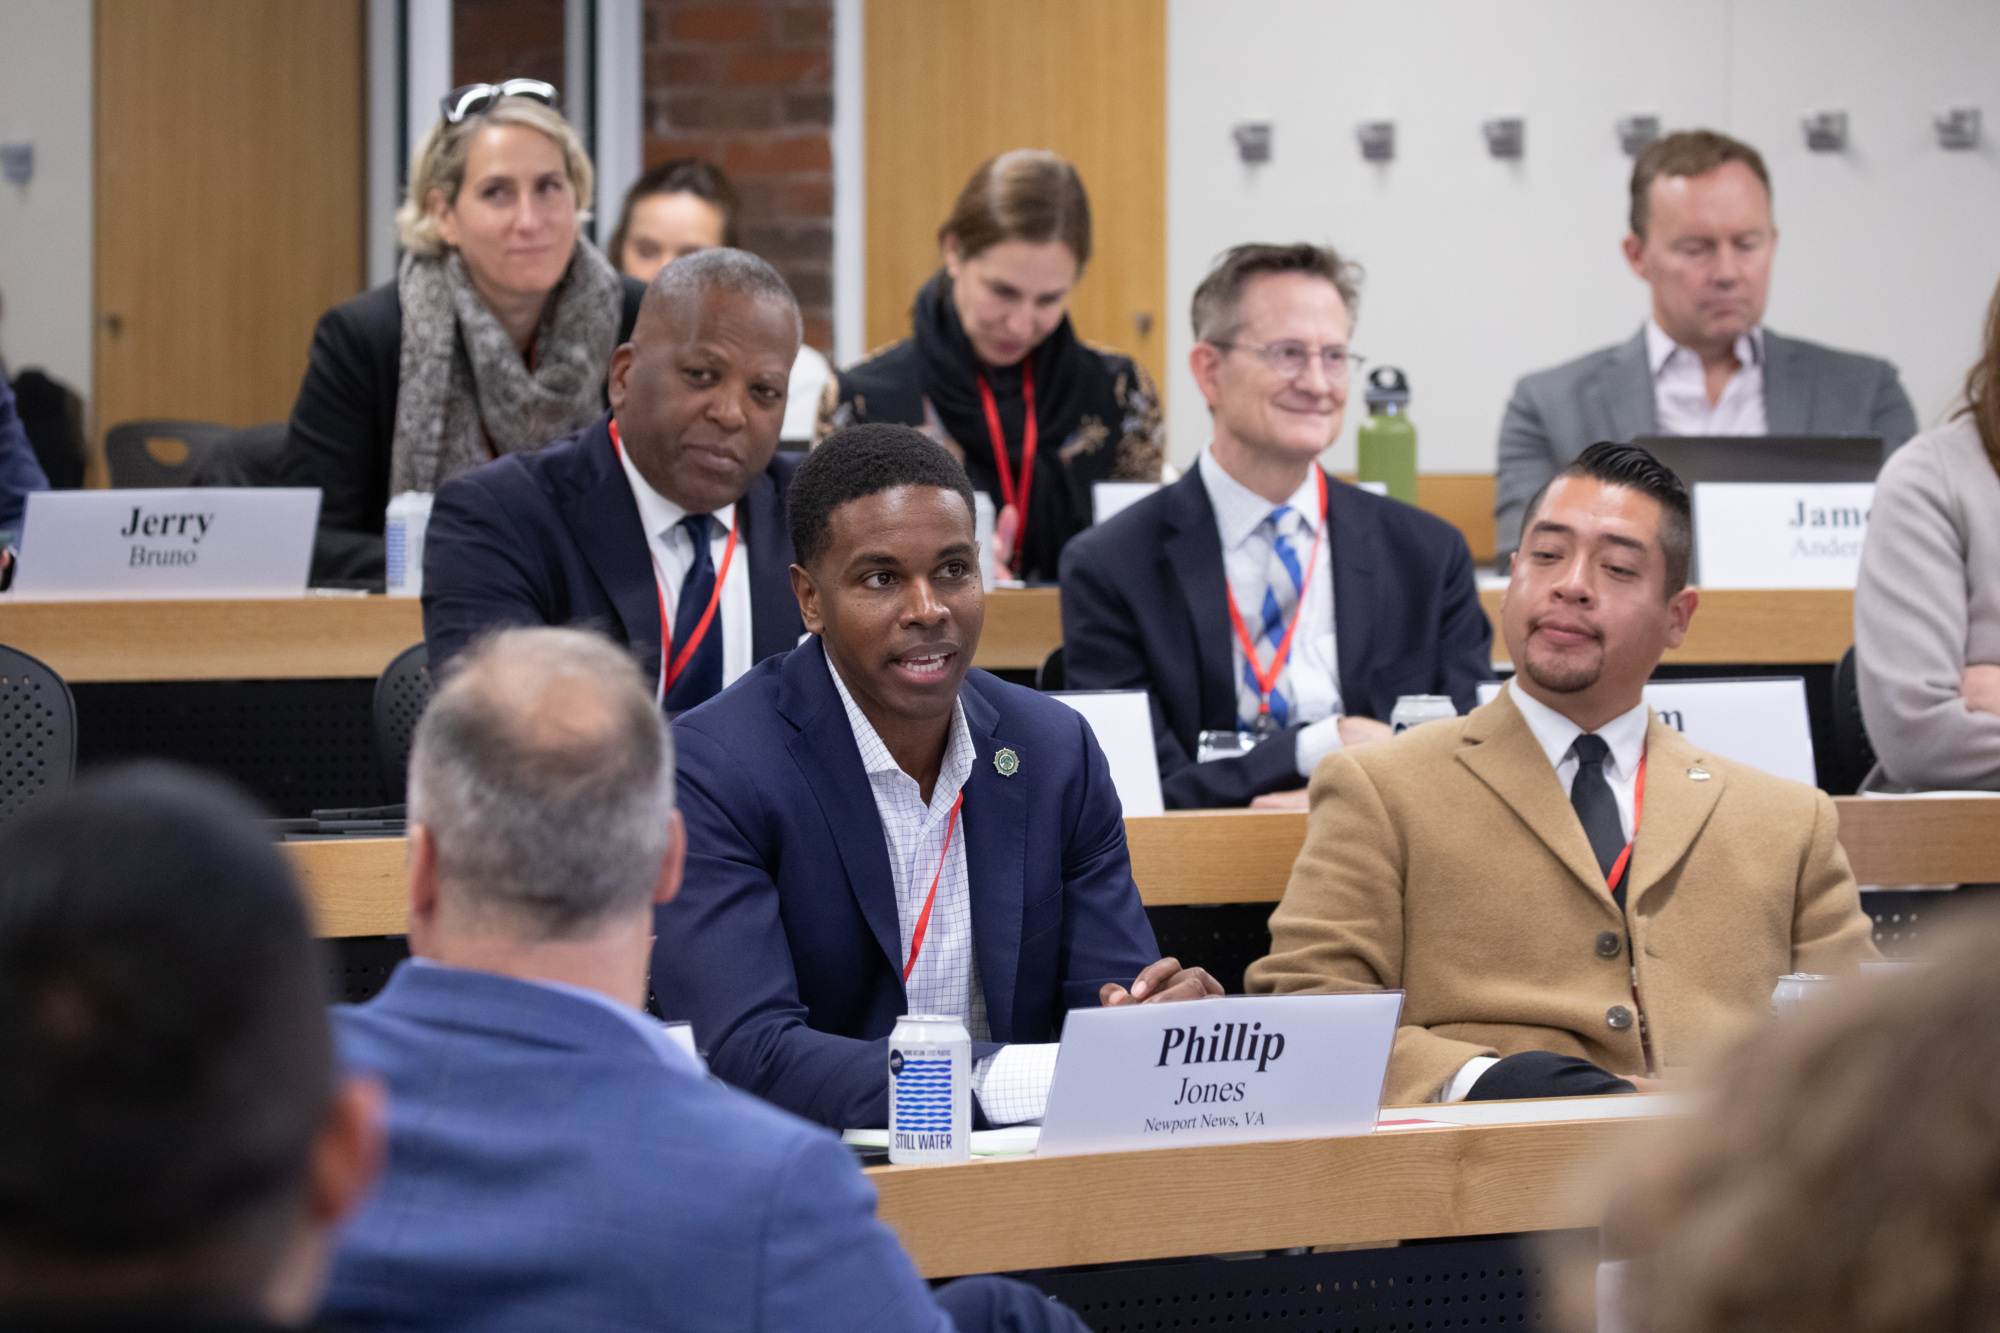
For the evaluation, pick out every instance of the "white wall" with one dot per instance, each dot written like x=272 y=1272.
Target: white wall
x=1481 y=270
x=45 y=226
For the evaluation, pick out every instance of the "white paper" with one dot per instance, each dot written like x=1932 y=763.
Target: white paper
x=1780 y=534
x=1108 y=498
x=1759 y=721
x=983 y=519
x=1236 y=1069
x=1123 y=723
x=252 y=541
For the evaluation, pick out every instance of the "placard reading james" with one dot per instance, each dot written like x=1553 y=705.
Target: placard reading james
x=1230 y=1070
x=198 y=542
x=1758 y=534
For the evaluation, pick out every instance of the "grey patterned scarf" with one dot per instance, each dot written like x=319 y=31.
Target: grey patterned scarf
x=462 y=379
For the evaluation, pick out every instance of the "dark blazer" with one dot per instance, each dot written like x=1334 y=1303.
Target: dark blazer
x=1145 y=607
x=552 y=537
x=1608 y=395
x=550 y=1169
x=344 y=423
x=783 y=948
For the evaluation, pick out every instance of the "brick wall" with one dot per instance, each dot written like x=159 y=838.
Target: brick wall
x=748 y=84
x=493 y=40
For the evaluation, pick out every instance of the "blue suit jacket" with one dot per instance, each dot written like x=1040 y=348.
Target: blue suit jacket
x=783 y=947
x=552 y=537
x=1145 y=606
x=548 y=1170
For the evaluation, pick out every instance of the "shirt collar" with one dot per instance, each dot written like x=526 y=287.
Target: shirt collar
x=649 y=1028
x=1625 y=734
x=658 y=514
x=875 y=756
x=1239 y=510
x=1660 y=347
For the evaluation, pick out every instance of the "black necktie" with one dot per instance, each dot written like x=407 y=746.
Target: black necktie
x=701 y=678
x=1596 y=807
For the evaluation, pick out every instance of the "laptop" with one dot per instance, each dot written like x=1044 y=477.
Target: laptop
x=1781 y=458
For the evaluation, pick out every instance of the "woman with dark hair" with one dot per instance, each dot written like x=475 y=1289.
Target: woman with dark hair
x=686 y=205
x=1927 y=605
x=993 y=370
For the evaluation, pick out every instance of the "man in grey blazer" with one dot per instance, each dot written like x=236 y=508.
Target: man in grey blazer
x=1702 y=238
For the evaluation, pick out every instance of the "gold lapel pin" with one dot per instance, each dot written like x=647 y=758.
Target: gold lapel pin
x=1700 y=774
x=1006 y=763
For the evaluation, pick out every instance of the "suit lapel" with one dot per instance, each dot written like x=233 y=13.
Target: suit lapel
x=774 y=612
x=830 y=762
x=1503 y=753
x=995 y=816
x=1351 y=532
x=1194 y=549
x=1678 y=805
x=603 y=521
x=1787 y=388
x=1624 y=390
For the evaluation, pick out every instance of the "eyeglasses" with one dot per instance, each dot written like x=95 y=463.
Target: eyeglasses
x=474 y=98
x=1290 y=357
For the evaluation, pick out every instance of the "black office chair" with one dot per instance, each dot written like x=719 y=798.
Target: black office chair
x=1853 y=755
x=244 y=458
x=1049 y=675
x=160 y=453
x=37 y=733
x=401 y=694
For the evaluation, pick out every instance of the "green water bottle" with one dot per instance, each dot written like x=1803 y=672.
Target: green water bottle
x=1387 y=440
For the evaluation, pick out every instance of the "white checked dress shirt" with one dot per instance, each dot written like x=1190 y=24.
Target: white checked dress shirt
x=1311 y=679
x=1680 y=388
x=1013 y=1084
x=1556 y=734
x=673 y=557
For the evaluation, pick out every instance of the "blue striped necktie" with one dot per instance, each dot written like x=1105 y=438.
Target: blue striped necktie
x=1284 y=577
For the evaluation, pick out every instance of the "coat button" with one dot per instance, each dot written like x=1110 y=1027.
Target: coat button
x=1609 y=945
x=1619 y=1017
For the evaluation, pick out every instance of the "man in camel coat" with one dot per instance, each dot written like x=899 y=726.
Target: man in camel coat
x=1488 y=866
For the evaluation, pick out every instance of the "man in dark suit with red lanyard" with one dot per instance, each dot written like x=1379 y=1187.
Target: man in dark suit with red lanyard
x=1257 y=596
x=662 y=523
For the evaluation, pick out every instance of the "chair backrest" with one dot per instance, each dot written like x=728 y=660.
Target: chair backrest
x=1049 y=675
x=244 y=458
x=37 y=733
x=401 y=694
x=160 y=453
x=1853 y=755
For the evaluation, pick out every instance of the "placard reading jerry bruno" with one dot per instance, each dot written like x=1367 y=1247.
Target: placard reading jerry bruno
x=211 y=541
x=1236 y=1069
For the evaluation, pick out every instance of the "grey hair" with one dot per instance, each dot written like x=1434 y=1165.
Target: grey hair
x=545 y=773
x=688 y=277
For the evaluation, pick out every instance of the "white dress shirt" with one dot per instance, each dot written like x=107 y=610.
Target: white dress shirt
x=1311 y=678
x=1626 y=735
x=673 y=557
x=1013 y=1084
x=1680 y=388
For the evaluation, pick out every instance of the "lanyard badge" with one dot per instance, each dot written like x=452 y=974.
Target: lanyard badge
x=1010 y=497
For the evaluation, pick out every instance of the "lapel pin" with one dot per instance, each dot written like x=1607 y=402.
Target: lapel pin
x=1006 y=763
x=1699 y=774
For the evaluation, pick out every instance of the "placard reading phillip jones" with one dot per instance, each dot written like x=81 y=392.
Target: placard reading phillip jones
x=1228 y=1070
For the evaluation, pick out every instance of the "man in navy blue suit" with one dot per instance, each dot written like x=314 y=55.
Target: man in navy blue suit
x=1257 y=597
x=874 y=830
x=556 y=1159
x=664 y=522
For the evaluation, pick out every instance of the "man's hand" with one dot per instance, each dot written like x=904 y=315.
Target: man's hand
x=1980 y=688
x=1362 y=731
x=1295 y=799
x=1162 y=983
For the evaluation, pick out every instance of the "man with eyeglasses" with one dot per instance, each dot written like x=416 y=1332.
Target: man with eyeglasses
x=1273 y=613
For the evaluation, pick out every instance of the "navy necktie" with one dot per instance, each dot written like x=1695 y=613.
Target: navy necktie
x=701 y=678
x=1596 y=807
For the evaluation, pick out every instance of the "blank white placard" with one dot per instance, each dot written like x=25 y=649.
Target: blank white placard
x=1123 y=722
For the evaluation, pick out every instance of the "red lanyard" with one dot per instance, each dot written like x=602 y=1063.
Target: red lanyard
x=1267 y=679
x=1638 y=809
x=1030 y=436
x=924 y=920
x=672 y=663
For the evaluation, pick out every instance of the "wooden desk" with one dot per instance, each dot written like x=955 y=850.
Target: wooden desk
x=309 y=638
x=1242 y=856
x=1747 y=626
x=1009 y=1214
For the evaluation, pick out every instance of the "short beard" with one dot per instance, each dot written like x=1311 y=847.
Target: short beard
x=1563 y=679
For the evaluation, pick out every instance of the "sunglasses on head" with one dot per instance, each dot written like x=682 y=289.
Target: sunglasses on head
x=474 y=98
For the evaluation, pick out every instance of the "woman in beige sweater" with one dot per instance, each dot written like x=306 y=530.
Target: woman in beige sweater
x=1927 y=607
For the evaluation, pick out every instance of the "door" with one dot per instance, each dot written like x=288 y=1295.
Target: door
x=950 y=84
x=229 y=161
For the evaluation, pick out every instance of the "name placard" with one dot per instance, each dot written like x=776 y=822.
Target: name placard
x=196 y=542
x=1760 y=721
x=1237 y=1069
x=1122 y=721
x=1780 y=534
